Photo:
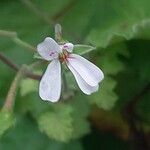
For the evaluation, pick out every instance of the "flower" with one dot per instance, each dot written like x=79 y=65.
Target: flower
x=87 y=75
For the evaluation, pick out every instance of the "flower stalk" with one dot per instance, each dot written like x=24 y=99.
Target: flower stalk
x=65 y=85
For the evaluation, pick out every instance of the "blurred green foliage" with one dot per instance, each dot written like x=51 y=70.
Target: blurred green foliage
x=120 y=31
x=7 y=121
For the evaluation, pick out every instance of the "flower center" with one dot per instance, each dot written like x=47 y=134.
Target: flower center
x=63 y=56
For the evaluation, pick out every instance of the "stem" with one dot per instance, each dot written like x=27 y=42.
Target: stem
x=24 y=44
x=15 y=67
x=37 y=64
x=9 y=34
x=9 y=102
x=8 y=62
x=65 y=83
x=13 y=36
x=33 y=76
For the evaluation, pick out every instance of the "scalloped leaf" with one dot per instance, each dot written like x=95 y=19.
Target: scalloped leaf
x=106 y=97
x=66 y=122
x=57 y=124
x=25 y=129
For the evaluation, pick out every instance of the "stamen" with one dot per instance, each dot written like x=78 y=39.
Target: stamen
x=63 y=56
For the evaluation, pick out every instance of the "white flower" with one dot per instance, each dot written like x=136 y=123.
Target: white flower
x=86 y=73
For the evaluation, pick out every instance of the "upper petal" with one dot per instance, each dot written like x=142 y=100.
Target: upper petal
x=48 y=49
x=68 y=47
x=87 y=70
x=50 y=84
x=86 y=88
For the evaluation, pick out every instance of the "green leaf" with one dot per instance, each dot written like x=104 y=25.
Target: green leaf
x=110 y=61
x=81 y=111
x=123 y=20
x=111 y=64
x=66 y=122
x=82 y=49
x=106 y=97
x=27 y=86
x=33 y=104
x=57 y=124
x=6 y=121
x=27 y=129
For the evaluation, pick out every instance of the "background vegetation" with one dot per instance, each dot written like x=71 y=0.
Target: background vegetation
x=117 y=116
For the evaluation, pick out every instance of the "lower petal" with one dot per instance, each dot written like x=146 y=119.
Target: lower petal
x=86 y=88
x=50 y=84
x=87 y=70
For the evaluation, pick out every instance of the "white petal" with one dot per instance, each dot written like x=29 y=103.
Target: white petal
x=87 y=70
x=48 y=49
x=86 y=88
x=68 y=47
x=50 y=84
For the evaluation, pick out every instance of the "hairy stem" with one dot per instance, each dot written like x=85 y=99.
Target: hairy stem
x=24 y=44
x=9 y=102
x=13 y=36
x=9 y=34
x=8 y=62
x=15 y=67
